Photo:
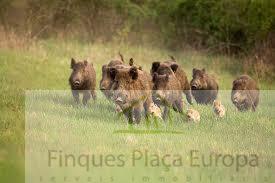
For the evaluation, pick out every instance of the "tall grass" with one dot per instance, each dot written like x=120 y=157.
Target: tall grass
x=45 y=64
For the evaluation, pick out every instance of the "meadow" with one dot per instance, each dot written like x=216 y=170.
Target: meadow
x=34 y=89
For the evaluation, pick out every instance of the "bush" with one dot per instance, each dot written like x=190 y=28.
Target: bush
x=230 y=26
x=227 y=25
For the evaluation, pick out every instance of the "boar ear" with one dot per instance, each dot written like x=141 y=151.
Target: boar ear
x=131 y=62
x=85 y=62
x=121 y=56
x=174 y=67
x=155 y=66
x=113 y=73
x=155 y=76
x=194 y=70
x=133 y=73
x=203 y=70
x=73 y=62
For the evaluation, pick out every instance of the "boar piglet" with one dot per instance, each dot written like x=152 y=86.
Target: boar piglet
x=132 y=91
x=82 y=80
x=204 y=87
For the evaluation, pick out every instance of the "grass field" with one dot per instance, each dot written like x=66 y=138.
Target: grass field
x=45 y=66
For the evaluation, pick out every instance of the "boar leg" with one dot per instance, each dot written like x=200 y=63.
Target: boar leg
x=129 y=115
x=146 y=106
x=255 y=104
x=213 y=94
x=175 y=107
x=166 y=113
x=253 y=108
x=188 y=96
x=249 y=106
x=93 y=94
x=86 y=97
x=76 y=96
x=178 y=105
x=137 y=115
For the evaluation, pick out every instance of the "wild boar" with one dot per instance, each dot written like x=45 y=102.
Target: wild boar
x=219 y=109
x=245 y=93
x=132 y=91
x=204 y=87
x=193 y=115
x=155 y=111
x=167 y=92
x=106 y=81
x=82 y=80
x=164 y=68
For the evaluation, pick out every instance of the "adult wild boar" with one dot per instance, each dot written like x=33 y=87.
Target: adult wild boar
x=82 y=80
x=165 y=67
x=245 y=93
x=167 y=92
x=204 y=87
x=132 y=91
x=106 y=81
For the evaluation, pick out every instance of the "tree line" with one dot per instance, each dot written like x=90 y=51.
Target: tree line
x=230 y=26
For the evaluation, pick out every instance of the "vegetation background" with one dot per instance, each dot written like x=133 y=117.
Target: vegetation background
x=224 y=26
x=37 y=39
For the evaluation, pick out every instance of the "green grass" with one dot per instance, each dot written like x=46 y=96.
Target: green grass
x=55 y=123
x=45 y=66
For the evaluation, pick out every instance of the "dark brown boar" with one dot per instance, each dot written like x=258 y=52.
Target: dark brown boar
x=132 y=91
x=106 y=81
x=167 y=92
x=204 y=87
x=82 y=80
x=245 y=93
x=165 y=68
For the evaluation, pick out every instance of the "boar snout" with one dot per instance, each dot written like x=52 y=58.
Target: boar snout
x=235 y=99
x=195 y=85
x=103 y=86
x=76 y=79
x=76 y=83
x=120 y=97
x=238 y=97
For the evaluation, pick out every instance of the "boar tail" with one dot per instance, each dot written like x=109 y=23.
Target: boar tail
x=121 y=57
